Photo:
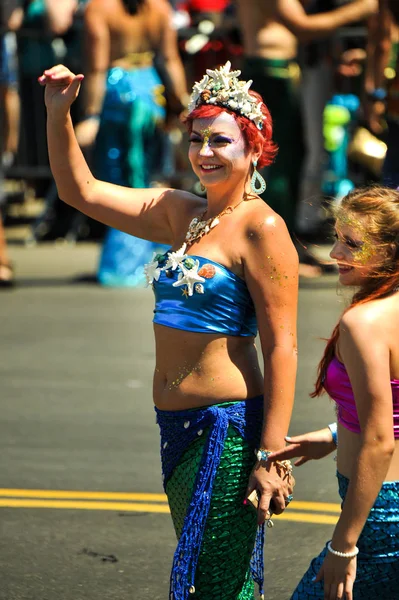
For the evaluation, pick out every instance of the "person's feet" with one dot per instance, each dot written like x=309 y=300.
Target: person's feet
x=6 y=275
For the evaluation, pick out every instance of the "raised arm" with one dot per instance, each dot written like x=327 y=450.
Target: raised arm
x=144 y=213
x=366 y=356
x=170 y=53
x=308 y=27
x=97 y=61
x=97 y=50
x=60 y=15
x=271 y=273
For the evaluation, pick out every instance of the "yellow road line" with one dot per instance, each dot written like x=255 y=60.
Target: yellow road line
x=140 y=497
x=110 y=501
x=87 y=505
x=143 y=507
x=306 y=518
x=80 y=495
x=313 y=506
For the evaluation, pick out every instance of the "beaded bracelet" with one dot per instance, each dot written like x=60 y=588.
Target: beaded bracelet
x=343 y=554
x=333 y=428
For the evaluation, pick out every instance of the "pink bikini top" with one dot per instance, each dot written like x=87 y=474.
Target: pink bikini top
x=338 y=386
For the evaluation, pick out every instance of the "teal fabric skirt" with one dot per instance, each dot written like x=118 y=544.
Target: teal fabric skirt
x=127 y=152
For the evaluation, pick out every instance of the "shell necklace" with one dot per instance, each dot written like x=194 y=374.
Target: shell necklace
x=198 y=228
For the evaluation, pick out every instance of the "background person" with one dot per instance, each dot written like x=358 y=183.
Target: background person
x=231 y=264
x=11 y=18
x=125 y=110
x=360 y=372
x=271 y=32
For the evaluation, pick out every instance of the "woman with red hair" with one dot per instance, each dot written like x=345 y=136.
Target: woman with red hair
x=231 y=270
x=360 y=372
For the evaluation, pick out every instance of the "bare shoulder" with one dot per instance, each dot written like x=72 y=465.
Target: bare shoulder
x=104 y=7
x=368 y=319
x=161 y=7
x=265 y=229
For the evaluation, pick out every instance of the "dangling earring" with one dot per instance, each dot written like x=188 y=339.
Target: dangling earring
x=257 y=180
x=203 y=188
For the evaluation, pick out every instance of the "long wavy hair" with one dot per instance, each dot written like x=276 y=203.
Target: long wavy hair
x=379 y=206
x=133 y=6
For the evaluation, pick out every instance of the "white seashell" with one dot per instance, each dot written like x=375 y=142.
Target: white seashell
x=215 y=222
x=165 y=445
x=200 y=432
x=199 y=288
x=186 y=424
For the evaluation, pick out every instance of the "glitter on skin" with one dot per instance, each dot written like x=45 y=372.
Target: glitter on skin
x=206 y=134
x=367 y=249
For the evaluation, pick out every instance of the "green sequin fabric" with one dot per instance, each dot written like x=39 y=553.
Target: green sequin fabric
x=223 y=568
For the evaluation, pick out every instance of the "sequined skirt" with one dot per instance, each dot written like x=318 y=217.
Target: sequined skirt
x=377 y=574
x=220 y=548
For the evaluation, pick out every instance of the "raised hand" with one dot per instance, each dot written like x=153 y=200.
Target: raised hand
x=62 y=89
x=309 y=446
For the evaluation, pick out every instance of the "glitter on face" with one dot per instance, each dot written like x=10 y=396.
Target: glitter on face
x=360 y=243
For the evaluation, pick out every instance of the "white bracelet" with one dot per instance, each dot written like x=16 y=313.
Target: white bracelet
x=343 y=554
x=333 y=428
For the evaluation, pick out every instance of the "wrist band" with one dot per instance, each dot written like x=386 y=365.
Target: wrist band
x=343 y=554
x=262 y=454
x=333 y=428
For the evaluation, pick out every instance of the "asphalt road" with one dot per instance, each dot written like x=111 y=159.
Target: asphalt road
x=82 y=514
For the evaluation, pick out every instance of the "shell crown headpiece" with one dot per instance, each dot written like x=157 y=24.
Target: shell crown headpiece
x=222 y=87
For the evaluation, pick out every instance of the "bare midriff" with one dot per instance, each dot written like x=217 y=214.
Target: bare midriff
x=349 y=445
x=201 y=369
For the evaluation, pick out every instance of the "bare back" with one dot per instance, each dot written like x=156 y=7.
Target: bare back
x=137 y=33
x=264 y=35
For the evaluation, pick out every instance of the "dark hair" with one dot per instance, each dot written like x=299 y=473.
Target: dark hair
x=251 y=133
x=380 y=206
x=132 y=6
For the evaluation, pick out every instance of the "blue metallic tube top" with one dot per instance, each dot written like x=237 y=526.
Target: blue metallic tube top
x=196 y=294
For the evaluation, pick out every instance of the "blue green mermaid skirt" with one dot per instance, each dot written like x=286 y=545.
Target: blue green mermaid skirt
x=377 y=576
x=220 y=548
x=127 y=152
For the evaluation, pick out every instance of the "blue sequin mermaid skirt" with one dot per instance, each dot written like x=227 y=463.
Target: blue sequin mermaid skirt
x=377 y=575
x=207 y=457
x=127 y=151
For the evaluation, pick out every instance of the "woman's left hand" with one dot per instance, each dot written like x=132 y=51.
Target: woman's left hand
x=339 y=575
x=272 y=489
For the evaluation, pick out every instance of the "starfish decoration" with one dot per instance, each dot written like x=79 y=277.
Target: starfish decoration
x=240 y=94
x=176 y=258
x=152 y=270
x=189 y=277
x=222 y=87
x=223 y=76
x=185 y=292
x=199 y=86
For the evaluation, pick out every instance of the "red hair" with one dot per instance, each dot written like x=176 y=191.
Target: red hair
x=251 y=133
x=381 y=208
